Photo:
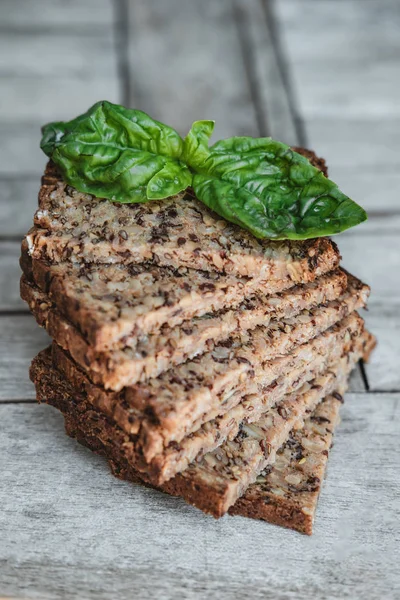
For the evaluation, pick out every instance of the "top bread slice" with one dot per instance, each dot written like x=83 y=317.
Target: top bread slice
x=175 y=232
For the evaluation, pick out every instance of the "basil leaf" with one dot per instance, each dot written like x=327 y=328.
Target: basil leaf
x=118 y=153
x=265 y=187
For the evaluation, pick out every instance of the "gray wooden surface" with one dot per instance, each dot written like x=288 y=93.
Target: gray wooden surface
x=323 y=74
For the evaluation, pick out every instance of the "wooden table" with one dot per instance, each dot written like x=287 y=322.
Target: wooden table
x=322 y=74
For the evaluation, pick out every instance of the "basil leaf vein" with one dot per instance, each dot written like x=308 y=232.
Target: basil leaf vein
x=265 y=187
x=118 y=153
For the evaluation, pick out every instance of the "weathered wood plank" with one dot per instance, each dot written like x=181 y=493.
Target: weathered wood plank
x=77 y=56
x=186 y=64
x=375 y=258
x=53 y=99
x=346 y=74
x=74 y=14
x=375 y=189
x=20 y=154
x=364 y=143
x=365 y=30
x=10 y=273
x=339 y=90
x=78 y=542
x=20 y=340
x=351 y=71
x=18 y=202
x=274 y=113
x=48 y=75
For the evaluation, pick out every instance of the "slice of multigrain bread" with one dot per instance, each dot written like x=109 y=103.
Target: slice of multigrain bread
x=178 y=231
x=112 y=303
x=140 y=358
x=214 y=483
x=285 y=493
x=175 y=457
x=177 y=403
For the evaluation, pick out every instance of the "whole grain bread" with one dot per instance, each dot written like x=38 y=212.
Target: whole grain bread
x=214 y=483
x=178 y=402
x=177 y=231
x=287 y=493
x=112 y=304
x=175 y=457
x=140 y=358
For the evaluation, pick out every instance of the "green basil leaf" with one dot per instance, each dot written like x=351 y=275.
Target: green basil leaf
x=118 y=153
x=265 y=187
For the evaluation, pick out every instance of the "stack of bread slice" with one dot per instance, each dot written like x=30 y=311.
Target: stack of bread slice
x=195 y=358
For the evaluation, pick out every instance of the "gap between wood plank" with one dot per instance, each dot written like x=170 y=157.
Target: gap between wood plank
x=11 y=238
x=241 y=21
x=121 y=34
x=18 y=401
x=283 y=64
x=20 y=312
x=364 y=377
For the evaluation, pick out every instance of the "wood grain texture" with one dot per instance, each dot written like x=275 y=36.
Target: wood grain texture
x=18 y=202
x=374 y=256
x=25 y=15
x=345 y=62
x=97 y=537
x=378 y=194
x=272 y=103
x=186 y=64
x=52 y=100
x=10 y=273
x=365 y=31
x=357 y=144
x=20 y=340
x=73 y=56
x=345 y=68
x=49 y=74
x=20 y=154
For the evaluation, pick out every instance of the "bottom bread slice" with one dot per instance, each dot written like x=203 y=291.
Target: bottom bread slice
x=287 y=492
x=284 y=494
x=225 y=475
